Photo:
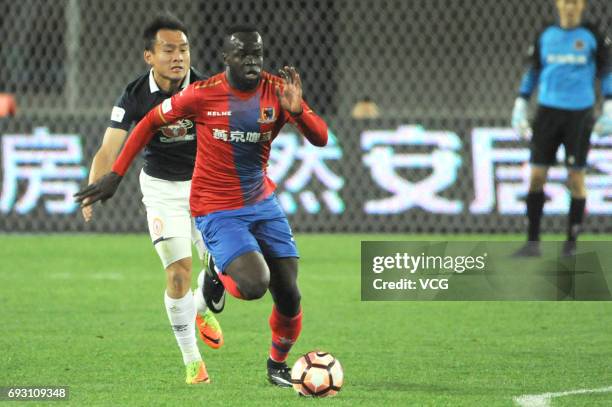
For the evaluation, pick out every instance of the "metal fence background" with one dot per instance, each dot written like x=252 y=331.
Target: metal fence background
x=441 y=63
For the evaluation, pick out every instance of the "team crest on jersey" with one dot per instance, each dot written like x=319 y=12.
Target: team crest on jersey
x=266 y=115
x=178 y=131
x=579 y=45
x=157 y=226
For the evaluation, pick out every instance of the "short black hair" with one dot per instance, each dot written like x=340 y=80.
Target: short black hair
x=240 y=28
x=165 y=21
x=237 y=28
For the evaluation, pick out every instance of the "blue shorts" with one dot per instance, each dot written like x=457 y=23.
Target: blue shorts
x=261 y=227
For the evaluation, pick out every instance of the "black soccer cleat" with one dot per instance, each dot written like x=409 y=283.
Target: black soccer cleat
x=569 y=248
x=529 y=249
x=279 y=373
x=212 y=288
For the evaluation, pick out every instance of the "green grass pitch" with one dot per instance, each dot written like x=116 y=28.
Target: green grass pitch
x=87 y=312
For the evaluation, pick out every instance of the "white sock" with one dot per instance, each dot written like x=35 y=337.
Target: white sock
x=198 y=296
x=181 y=313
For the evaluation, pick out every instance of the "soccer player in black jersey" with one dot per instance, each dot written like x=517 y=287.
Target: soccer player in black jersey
x=564 y=62
x=165 y=183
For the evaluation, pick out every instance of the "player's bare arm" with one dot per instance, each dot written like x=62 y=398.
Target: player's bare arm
x=103 y=161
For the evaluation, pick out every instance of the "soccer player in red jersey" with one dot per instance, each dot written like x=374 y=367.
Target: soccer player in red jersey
x=238 y=113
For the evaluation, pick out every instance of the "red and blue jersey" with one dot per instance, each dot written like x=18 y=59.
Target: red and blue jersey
x=234 y=132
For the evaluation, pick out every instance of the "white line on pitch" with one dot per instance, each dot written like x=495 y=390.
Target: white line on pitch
x=543 y=400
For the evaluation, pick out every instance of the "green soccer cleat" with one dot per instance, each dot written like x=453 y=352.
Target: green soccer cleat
x=210 y=330
x=196 y=373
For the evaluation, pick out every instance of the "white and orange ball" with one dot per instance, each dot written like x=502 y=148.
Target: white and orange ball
x=317 y=374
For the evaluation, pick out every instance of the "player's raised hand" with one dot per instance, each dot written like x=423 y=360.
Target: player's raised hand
x=520 y=122
x=101 y=190
x=291 y=96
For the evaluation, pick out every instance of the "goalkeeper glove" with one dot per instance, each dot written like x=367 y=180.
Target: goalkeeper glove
x=603 y=126
x=520 y=124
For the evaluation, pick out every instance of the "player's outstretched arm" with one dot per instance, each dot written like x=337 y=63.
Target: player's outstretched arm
x=179 y=106
x=105 y=187
x=308 y=123
x=103 y=160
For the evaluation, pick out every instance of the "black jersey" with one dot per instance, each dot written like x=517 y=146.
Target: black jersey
x=170 y=155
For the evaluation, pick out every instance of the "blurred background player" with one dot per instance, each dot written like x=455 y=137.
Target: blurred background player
x=564 y=62
x=239 y=113
x=165 y=182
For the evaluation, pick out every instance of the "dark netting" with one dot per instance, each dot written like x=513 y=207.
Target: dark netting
x=449 y=68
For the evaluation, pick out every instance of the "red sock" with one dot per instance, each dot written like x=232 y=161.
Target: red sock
x=285 y=331
x=230 y=285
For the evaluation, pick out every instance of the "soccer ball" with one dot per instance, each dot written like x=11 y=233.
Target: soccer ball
x=317 y=374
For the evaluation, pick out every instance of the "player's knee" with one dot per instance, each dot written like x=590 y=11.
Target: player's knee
x=291 y=302
x=253 y=283
x=291 y=295
x=577 y=189
x=251 y=274
x=254 y=288
x=296 y=297
x=289 y=309
x=537 y=181
x=537 y=178
x=575 y=183
x=179 y=277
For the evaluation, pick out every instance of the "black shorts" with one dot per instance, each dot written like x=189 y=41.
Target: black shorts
x=553 y=127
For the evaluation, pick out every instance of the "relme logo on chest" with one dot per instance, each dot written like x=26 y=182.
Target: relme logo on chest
x=219 y=114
